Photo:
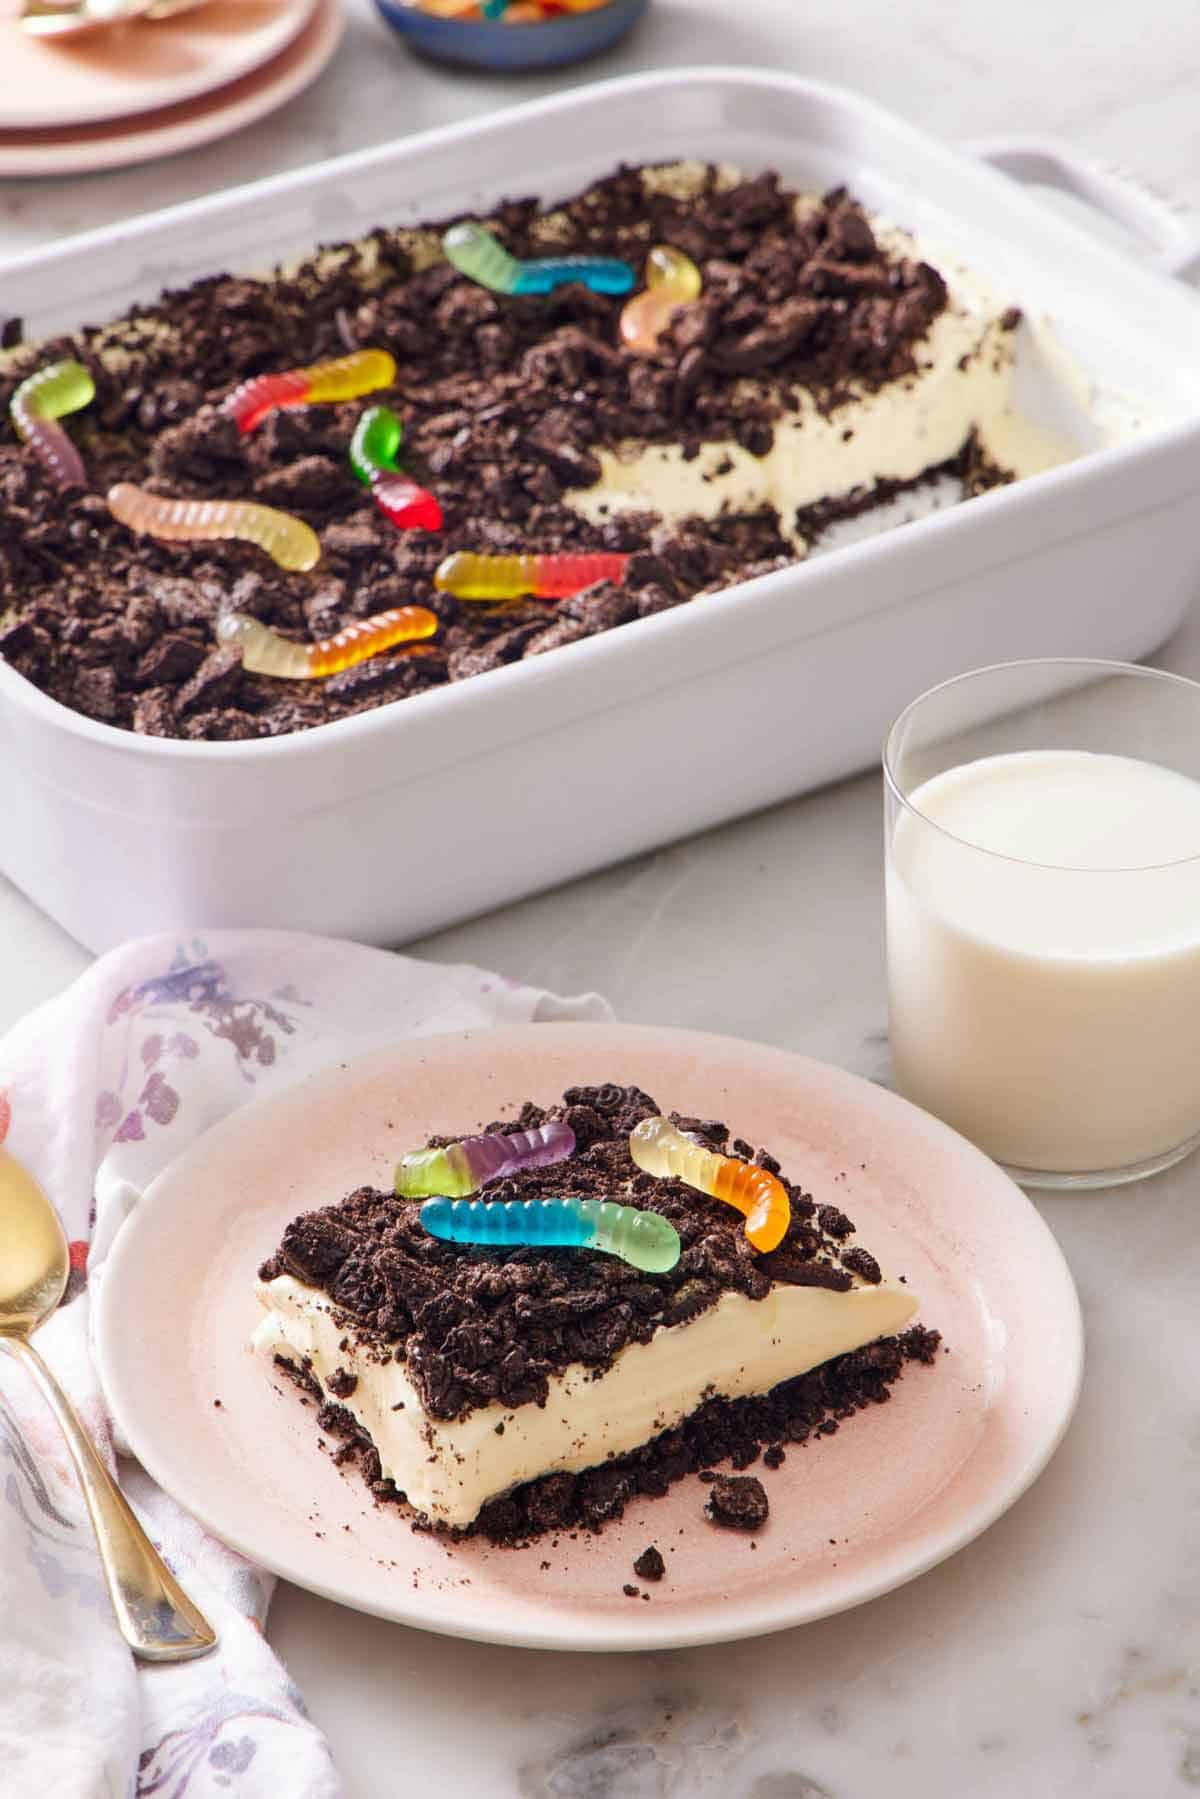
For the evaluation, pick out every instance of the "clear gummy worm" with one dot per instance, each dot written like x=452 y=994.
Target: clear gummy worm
x=322 y=383
x=265 y=652
x=464 y=1167
x=288 y=540
x=37 y=405
x=659 y=1149
x=646 y=1240
x=475 y=253
x=471 y=577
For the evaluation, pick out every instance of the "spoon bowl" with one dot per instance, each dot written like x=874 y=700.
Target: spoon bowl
x=154 y=1614
x=34 y=1259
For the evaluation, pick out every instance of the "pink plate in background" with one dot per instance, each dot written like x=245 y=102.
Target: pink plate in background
x=897 y=1489
x=118 y=70
x=169 y=130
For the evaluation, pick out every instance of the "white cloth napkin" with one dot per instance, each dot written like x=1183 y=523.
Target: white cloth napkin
x=99 y=1090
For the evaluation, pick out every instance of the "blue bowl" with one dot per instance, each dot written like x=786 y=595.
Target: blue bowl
x=491 y=44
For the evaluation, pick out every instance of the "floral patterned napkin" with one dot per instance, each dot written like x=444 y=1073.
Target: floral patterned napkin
x=99 y=1090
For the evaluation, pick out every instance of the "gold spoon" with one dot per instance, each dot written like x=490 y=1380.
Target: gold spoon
x=154 y=1614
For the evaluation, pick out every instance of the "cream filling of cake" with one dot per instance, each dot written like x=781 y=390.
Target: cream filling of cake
x=963 y=383
x=450 y=1468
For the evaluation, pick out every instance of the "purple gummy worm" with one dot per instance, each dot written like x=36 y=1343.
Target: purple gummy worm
x=498 y=1154
x=462 y=1168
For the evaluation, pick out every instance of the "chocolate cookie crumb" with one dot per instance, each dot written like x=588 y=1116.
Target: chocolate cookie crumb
x=631 y=1592
x=737 y=1501
x=861 y=1262
x=650 y=1565
x=920 y=1344
x=774 y=1456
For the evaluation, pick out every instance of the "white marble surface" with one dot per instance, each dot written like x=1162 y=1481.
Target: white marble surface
x=1060 y=1655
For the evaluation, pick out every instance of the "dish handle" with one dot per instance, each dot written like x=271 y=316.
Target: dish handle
x=1171 y=234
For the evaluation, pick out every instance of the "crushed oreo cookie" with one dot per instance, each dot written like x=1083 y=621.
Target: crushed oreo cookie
x=505 y=401
x=737 y=1501
x=650 y=1565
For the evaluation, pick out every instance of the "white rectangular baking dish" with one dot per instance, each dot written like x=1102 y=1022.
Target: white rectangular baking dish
x=418 y=814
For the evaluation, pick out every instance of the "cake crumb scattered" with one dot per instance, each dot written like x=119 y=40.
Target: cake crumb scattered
x=737 y=1501
x=650 y=1565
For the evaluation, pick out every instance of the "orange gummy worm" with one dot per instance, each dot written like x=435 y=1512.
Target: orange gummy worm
x=265 y=652
x=672 y=281
x=658 y=1148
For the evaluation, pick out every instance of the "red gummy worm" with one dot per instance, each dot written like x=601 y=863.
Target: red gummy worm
x=558 y=577
x=249 y=404
x=408 y=505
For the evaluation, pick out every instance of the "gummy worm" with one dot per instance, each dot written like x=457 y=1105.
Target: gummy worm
x=464 y=1167
x=672 y=281
x=37 y=405
x=658 y=1148
x=343 y=378
x=646 y=1240
x=265 y=652
x=292 y=543
x=374 y=449
x=480 y=256
x=471 y=577
x=375 y=446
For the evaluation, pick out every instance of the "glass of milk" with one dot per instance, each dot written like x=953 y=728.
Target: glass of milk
x=1043 y=915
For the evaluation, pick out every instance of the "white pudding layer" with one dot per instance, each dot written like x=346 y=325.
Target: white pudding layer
x=450 y=1468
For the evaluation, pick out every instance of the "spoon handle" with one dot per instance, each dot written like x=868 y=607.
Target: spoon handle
x=154 y=1614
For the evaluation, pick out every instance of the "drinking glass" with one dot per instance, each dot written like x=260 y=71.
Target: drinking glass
x=1043 y=915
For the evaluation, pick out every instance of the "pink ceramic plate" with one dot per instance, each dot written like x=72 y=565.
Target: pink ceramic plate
x=139 y=67
x=897 y=1489
x=168 y=130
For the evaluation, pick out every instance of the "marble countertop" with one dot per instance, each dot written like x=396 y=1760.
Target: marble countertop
x=1059 y=1656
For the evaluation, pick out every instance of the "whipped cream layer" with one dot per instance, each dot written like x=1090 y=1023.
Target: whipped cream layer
x=963 y=384
x=450 y=1468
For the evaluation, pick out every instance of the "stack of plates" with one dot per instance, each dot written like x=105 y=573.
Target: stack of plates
x=140 y=90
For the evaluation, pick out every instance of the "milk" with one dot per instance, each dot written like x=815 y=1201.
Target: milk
x=1045 y=997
